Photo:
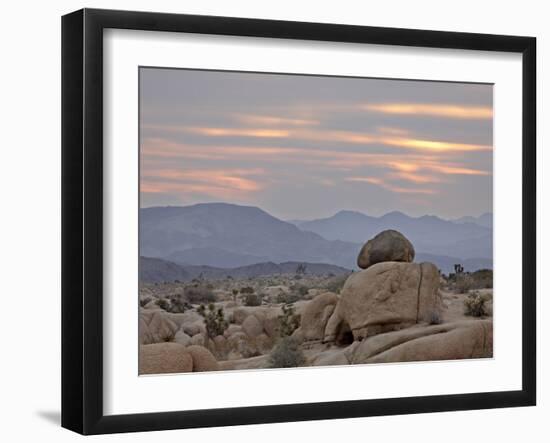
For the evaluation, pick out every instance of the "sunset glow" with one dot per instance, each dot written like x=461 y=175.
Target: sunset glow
x=277 y=141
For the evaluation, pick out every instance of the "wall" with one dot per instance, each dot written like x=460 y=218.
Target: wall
x=30 y=234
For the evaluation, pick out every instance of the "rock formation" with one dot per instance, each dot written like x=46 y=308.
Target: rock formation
x=389 y=294
x=388 y=245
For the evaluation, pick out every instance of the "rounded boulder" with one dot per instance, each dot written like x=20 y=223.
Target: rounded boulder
x=386 y=246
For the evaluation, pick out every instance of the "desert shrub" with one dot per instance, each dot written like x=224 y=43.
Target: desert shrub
x=162 y=303
x=288 y=320
x=199 y=295
x=301 y=290
x=475 y=304
x=463 y=283
x=285 y=298
x=252 y=300
x=335 y=284
x=144 y=301
x=214 y=320
x=247 y=290
x=178 y=304
x=286 y=354
x=482 y=278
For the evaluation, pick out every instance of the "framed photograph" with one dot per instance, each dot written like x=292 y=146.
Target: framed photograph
x=268 y=221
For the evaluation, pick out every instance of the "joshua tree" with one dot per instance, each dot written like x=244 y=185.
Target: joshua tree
x=214 y=320
x=301 y=269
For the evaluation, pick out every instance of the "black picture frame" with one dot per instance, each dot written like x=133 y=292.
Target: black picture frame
x=82 y=218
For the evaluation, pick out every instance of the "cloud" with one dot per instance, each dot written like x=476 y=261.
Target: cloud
x=433 y=110
x=324 y=136
x=391 y=187
x=268 y=120
x=218 y=183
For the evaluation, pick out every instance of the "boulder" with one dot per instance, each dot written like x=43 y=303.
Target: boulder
x=330 y=358
x=272 y=323
x=232 y=329
x=219 y=346
x=152 y=305
x=198 y=339
x=386 y=246
x=240 y=345
x=193 y=329
x=451 y=341
x=337 y=329
x=203 y=360
x=298 y=336
x=264 y=343
x=155 y=327
x=252 y=326
x=182 y=338
x=316 y=314
x=145 y=336
x=164 y=358
x=389 y=296
x=241 y=313
x=186 y=318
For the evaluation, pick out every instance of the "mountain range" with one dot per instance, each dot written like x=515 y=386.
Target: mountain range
x=429 y=234
x=158 y=270
x=228 y=236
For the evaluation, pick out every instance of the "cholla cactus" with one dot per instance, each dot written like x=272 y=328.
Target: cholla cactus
x=474 y=304
x=214 y=320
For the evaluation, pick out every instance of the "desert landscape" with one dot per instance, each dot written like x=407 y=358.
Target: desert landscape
x=293 y=220
x=296 y=314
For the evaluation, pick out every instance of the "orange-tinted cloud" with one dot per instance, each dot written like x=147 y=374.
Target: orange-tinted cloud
x=349 y=137
x=218 y=183
x=433 y=110
x=269 y=120
x=239 y=132
x=432 y=145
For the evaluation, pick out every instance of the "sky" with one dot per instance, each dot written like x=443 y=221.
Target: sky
x=305 y=147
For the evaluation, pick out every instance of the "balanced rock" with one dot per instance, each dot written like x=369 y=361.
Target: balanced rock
x=164 y=358
x=388 y=296
x=388 y=245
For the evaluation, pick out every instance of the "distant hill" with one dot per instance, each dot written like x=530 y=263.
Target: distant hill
x=224 y=236
x=158 y=270
x=220 y=234
x=429 y=234
x=485 y=220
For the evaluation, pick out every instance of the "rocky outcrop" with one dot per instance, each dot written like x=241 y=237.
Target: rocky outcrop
x=388 y=245
x=316 y=315
x=388 y=296
x=451 y=341
x=155 y=327
x=164 y=358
